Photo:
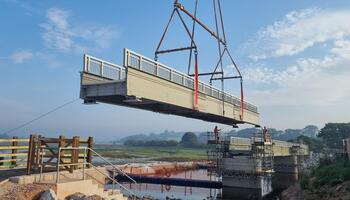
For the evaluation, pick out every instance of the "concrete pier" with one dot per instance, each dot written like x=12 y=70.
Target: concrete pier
x=258 y=165
x=287 y=170
x=286 y=164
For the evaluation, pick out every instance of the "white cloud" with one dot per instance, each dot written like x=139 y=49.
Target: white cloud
x=318 y=78
x=319 y=90
x=57 y=34
x=338 y=56
x=298 y=31
x=342 y=48
x=310 y=81
x=21 y=56
x=60 y=33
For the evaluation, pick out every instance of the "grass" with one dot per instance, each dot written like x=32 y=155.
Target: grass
x=154 y=153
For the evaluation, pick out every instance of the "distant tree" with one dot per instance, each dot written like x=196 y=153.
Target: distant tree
x=333 y=133
x=310 y=131
x=151 y=143
x=202 y=138
x=315 y=145
x=189 y=139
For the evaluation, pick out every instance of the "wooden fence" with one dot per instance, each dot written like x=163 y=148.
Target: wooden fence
x=38 y=151
x=13 y=152
x=43 y=152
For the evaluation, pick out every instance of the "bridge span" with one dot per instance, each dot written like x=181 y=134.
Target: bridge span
x=146 y=84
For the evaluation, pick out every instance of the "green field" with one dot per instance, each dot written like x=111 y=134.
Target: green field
x=154 y=153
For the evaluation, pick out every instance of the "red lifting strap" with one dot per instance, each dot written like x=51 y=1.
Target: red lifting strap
x=196 y=83
x=242 y=100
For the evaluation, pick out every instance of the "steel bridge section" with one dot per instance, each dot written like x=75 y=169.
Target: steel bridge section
x=149 y=85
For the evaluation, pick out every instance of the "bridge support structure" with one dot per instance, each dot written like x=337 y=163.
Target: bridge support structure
x=257 y=164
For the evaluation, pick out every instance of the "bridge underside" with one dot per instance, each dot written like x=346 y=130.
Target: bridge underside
x=112 y=92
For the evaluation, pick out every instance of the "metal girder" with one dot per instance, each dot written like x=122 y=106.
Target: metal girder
x=176 y=49
x=206 y=74
x=227 y=77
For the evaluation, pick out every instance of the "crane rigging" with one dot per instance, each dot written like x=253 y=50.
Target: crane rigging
x=148 y=84
x=193 y=49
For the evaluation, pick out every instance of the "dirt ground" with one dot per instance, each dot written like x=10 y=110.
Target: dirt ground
x=338 y=192
x=13 y=191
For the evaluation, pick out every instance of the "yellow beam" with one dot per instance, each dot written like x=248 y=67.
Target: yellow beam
x=13 y=154
x=13 y=160
x=13 y=147
x=14 y=140
x=12 y=166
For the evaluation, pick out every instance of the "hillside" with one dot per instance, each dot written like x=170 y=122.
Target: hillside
x=315 y=145
x=288 y=134
x=4 y=136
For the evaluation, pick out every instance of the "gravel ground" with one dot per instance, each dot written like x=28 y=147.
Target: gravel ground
x=13 y=191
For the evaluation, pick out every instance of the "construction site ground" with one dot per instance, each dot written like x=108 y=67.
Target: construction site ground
x=14 y=191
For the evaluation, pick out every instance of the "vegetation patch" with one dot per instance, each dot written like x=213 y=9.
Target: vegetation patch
x=329 y=173
x=172 y=153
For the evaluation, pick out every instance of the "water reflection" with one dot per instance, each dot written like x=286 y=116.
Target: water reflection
x=166 y=192
x=177 y=192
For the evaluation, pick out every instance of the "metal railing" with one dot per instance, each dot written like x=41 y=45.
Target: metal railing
x=103 y=68
x=137 y=61
x=85 y=163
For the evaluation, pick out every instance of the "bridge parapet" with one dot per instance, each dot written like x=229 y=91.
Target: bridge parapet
x=137 y=61
x=103 y=68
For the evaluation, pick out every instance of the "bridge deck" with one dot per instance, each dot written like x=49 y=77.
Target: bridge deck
x=146 y=84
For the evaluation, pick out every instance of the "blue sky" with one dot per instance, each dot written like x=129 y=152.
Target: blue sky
x=294 y=56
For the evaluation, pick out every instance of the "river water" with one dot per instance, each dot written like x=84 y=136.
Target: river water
x=176 y=192
x=166 y=192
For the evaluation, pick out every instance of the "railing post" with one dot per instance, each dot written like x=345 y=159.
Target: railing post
x=58 y=165
x=84 y=163
x=29 y=155
x=74 y=153
x=157 y=69
x=125 y=61
x=85 y=63
x=88 y=63
x=101 y=70
x=37 y=145
x=41 y=161
x=62 y=143
x=140 y=63
x=89 y=153
x=14 y=151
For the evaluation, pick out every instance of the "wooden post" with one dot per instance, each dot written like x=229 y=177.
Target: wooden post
x=37 y=148
x=75 y=153
x=89 y=153
x=61 y=143
x=14 y=151
x=30 y=156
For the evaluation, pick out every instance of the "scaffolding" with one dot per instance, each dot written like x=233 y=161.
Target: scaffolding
x=260 y=150
x=216 y=151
